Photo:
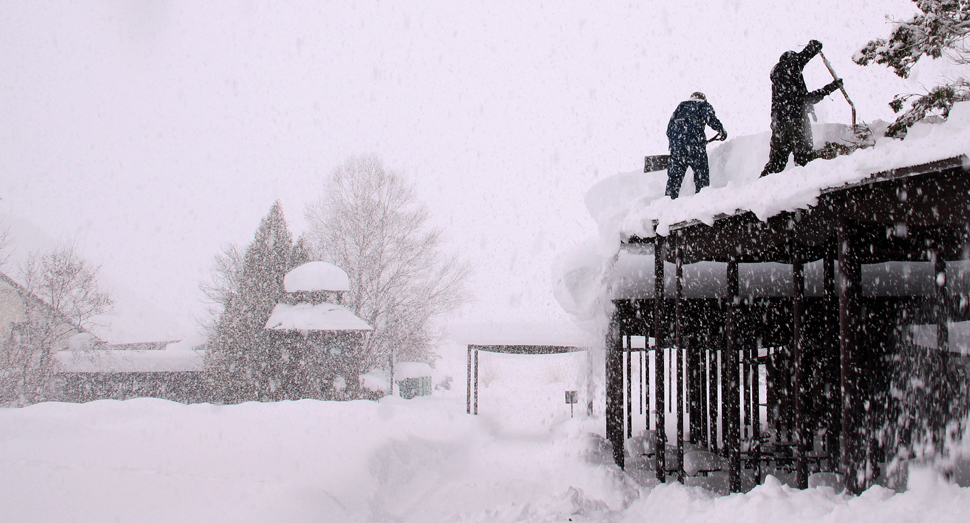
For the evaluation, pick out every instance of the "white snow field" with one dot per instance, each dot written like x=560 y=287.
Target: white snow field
x=423 y=460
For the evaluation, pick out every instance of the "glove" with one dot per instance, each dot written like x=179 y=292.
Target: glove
x=834 y=86
x=813 y=47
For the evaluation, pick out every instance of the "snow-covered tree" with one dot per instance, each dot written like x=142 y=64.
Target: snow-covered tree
x=61 y=294
x=369 y=223
x=940 y=30
x=243 y=361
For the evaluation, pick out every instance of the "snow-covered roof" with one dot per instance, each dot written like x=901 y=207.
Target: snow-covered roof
x=316 y=276
x=174 y=358
x=320 y=317
x=629 y=204
x=411 y=369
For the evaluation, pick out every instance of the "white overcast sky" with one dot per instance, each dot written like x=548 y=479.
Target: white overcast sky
x=153 y=132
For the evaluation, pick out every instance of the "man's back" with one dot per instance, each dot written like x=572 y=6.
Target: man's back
x=686 y=126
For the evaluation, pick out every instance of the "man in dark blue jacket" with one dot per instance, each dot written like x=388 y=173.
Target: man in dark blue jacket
x=688 y=143
x=791 y=102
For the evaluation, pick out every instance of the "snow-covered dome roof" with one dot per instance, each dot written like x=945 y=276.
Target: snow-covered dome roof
x=316 y=276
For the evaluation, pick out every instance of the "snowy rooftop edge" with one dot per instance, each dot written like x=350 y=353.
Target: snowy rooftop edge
x=736 y=186
x=120 y=361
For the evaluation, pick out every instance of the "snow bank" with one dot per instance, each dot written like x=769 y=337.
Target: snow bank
x=406 y=461
x=316 y=276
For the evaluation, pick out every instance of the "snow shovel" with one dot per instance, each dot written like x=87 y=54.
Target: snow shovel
x=660 y=162
x=862 y=132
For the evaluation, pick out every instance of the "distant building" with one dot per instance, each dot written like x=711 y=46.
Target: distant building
x=166 y=370
x=87 y=368
x=320 y=334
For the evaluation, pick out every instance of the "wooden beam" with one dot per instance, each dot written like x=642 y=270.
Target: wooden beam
x=798 y=365
x=614 y=387
x=942 y=312
x=679 y=354
x=732 y=437
x=832 y=352
x=475 y=396
x=659 y=331
x=468 y=387
x=850 y=311
x=629 y=386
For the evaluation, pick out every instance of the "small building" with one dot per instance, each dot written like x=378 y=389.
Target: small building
x=165 y=370
x=87 y=368
x=413 y=379
x=807 y=299
x=320 y=336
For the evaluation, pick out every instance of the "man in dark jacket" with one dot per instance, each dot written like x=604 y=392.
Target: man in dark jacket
x=688 y=143
x=791 y=102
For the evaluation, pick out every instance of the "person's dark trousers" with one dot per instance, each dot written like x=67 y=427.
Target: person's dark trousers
x=693 y=156
x=785 y=140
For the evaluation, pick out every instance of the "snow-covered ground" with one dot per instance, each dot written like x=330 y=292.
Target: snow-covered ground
x=423 y=460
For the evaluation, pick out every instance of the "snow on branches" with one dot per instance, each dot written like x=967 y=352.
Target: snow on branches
x=941 y=30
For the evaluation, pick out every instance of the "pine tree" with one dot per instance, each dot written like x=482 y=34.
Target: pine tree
x=940 y=30
x=245 y=360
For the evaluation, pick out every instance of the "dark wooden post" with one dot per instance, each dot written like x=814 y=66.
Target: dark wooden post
x=679 y=355
x=833 y=355
x=732 y=436
x=630 y=355
x=659 y=335
x=699 y=398
x=715 y=403
x=942 y=312
x=475 y=395
x=641 y=389
x=756 y=412
x=850 y=283
x=798 y=374
x=614 y=387
x=745 y=356
x=468 y=387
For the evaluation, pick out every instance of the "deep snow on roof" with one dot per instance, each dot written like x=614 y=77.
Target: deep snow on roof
x=316 y=276
x=630 y=204
x=320 y=317
x=174 y=358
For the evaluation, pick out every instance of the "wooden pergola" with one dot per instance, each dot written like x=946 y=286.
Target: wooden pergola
x=823 y=353
x=472 y=363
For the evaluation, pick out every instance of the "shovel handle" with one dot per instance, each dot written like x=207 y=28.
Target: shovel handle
x=828 y=65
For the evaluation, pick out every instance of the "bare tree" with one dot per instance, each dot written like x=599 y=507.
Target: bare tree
x=60 y=295
x=370 y=224
x=225 y=273
x=5 y=242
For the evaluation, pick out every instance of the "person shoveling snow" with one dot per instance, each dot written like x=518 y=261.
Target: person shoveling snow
x=791 y=101
x=688 y=143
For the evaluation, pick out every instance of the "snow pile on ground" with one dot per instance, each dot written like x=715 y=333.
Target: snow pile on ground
x=523 y=459
x=628 y=204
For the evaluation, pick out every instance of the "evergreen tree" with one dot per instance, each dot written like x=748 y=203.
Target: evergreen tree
x=939 y=30
x=244 y=360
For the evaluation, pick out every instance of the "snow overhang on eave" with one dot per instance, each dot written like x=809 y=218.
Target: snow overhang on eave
x=956 y=162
